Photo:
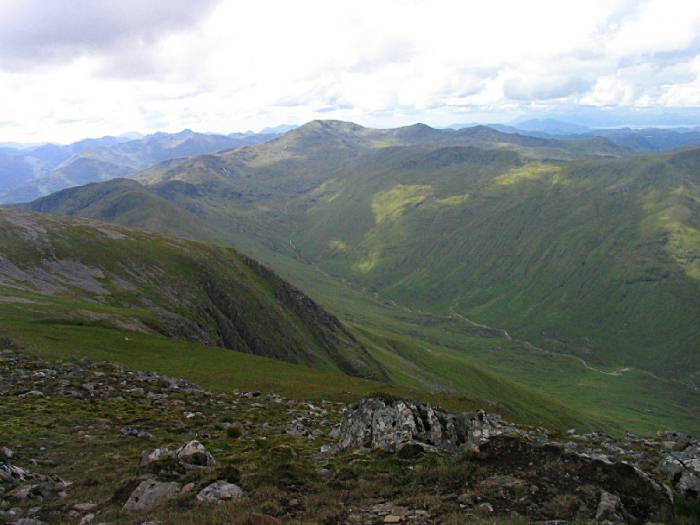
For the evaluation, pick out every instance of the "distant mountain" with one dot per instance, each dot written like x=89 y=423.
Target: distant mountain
x=551 y=126
x=639 y=139
x=278 y=130
x=30 y=173
x=651 y=139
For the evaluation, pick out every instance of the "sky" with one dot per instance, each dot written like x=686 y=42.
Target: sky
x=71 y=69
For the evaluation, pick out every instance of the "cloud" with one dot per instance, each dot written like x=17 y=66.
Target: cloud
x=33 y=32
x=551 y=87
x=227 y=65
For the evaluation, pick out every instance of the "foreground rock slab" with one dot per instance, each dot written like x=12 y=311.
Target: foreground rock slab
x=150 y=493
x=392 y=424
x=220 y=492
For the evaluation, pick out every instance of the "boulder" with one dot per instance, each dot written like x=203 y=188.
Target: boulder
x=682 y=466
x=150 y=493
x=194 y=454
x=391 y=424
x=158 y=455
x=220 y=492
x=12 y=474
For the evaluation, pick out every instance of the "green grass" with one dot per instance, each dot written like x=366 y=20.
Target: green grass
x=439 y=353
x=214 y=368
x=573 y=256
x=205 y=293
x=389 y=205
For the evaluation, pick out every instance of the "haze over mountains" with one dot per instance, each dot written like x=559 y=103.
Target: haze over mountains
x=639 y=139
x=30 y=172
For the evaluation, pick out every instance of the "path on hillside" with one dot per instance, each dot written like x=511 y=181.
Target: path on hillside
x=539 y=349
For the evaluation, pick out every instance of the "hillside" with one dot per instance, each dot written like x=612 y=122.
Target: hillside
x=145 y=300
x=574 y=255
x=584 y=270
x=595 y=258
x=95 y=440
x=88 y=274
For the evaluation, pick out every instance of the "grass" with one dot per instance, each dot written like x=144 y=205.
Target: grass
x=389 y=205
x=565 y=254
x=438 y=353
x=530 y=172
x=453 y=200
x=214 y=368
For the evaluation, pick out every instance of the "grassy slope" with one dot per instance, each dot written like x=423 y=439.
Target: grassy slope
x=46 y=332
x=436 y=352
x=485 y=198
x=208 y=294
x=596 y=259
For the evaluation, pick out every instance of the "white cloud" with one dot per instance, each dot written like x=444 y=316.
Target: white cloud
x=237 y=65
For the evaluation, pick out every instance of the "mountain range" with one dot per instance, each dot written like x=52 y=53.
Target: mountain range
x=30 y=172
x=643 y=139
x=560 y=263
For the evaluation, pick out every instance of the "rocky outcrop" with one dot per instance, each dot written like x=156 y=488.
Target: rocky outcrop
x=220 y=492
x=194 y=454
x=528 y=471
x=190 y=455
x=392 y=424
x=681 y=463
x=151 y=493
x=482 y=467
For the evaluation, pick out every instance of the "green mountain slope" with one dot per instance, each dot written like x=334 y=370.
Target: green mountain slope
x=411 y=235
x=579 y=256
x=106 y=276
x=599 y=259
x=81 y=288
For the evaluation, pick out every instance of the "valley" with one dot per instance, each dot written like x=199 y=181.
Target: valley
x=578 y=252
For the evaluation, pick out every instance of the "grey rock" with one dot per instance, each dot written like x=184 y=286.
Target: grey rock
x=85 y=507
x=135 y=432
x=12 y=474
x=88 y=518
x=24 y=492
x=29 y=521
x=392 y=424
x=219 y=492
x=150 y=493
x=609 y=508
x=194 y=453
x=682 y=465
x=157 y=455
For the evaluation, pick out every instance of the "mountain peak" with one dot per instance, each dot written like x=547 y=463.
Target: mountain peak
x=330 y=125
